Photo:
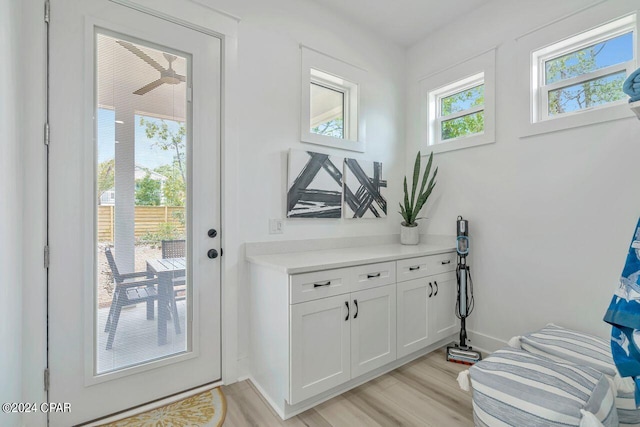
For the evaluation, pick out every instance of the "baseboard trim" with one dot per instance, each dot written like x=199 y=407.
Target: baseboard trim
x=485 y=343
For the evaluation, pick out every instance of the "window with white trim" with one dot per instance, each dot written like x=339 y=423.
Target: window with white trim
x=459 y=105
x=458 y=109
x=583 y=72
x=329 y=112
x=333 y=106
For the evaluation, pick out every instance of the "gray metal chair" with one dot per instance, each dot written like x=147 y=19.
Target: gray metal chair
x=176 y=249
x=129 y=289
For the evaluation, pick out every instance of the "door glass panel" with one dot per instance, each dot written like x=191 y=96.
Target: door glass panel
x=141 y=122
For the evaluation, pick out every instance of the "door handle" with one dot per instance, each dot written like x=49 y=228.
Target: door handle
x=317 y=285
x=371 y=276
x=212 y=253
x=347 y=304
x=355 y=301
x=417 y=267
x=446 y=262
x=430 y=290
x=436 y=283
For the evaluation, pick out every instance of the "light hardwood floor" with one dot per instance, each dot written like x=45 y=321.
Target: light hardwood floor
x=421 y=393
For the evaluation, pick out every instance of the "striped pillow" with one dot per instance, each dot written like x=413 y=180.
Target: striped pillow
x=628 y=415
x=516 y=388
x=565 y=345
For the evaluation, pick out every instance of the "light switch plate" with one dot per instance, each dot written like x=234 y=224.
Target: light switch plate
x=276 y=226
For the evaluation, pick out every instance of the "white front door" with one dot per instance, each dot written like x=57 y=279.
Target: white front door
x=134 y=212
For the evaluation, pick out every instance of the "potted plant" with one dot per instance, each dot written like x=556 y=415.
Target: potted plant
x=409 y=232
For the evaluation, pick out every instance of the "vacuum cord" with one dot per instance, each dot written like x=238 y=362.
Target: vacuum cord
x=470 y=300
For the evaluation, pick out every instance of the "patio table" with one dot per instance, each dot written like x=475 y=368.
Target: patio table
x=166 y=269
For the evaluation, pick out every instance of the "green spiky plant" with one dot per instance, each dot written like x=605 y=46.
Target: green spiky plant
x=413 y=205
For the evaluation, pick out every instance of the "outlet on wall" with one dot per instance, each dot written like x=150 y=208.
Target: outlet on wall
x=276 y=226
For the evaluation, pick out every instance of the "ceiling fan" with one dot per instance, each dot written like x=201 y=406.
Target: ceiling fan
x=167 y=75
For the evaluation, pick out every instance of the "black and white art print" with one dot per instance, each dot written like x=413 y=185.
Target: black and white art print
x=364 y=189
x=314 y=185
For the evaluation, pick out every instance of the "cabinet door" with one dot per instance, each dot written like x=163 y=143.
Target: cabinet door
x=413 y=315
x=319 y=346
x=442 y=306
x=373 y=329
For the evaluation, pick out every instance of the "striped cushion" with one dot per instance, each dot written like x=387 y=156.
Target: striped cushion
x=515 y=388
x=628 y=415
x=565 y=345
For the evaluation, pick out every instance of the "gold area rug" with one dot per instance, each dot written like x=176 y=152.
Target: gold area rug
x=206 y=409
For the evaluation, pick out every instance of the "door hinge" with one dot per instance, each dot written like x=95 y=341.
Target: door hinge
x=47 y=11
x=189 y=94
x=46 y=133
x=46 y=256
x=46 y=379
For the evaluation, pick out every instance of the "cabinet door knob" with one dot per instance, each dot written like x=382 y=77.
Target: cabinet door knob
x=435 y=283
x=430 y=290
x=355 y=301
x=347 y=304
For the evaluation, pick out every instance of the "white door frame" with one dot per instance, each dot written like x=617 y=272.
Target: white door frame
x=188 y=13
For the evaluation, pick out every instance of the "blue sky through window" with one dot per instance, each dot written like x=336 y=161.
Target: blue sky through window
x=614 y=51
x=147 y=154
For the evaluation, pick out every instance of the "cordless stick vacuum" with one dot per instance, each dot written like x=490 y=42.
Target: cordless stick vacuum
x=464 y=304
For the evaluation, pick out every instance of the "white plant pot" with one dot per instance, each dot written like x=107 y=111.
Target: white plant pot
x=409 y=235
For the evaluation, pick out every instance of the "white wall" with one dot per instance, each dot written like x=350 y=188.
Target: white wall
x=10 y=211
x=551 y=216
x=269 y=110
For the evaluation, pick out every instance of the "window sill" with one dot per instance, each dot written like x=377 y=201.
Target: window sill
x=585 y=118
x=329 y=141
x=461 y=143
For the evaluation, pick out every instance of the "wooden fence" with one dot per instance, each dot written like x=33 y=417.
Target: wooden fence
x=148 y=219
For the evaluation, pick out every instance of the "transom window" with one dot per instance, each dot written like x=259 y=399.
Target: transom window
x=327 y=109
x=459 y=111
x=585 y=71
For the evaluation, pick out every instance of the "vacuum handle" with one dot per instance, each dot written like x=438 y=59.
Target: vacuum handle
x=430 y=290
x=436 y=283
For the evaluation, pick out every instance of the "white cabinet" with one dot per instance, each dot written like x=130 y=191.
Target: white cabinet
x=319 y=332
x=426 y=311
x=320 y=346
x=373 y=329
x=442 y=306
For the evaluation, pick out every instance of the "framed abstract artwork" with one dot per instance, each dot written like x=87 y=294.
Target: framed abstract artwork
x=364 y=189
x=314 y=185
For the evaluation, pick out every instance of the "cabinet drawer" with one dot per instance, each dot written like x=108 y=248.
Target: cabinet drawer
x=319 y=284
x=372 y=275
x=442 y=263
x=412 y=268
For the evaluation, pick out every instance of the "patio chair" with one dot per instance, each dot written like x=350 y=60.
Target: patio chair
x=130 y=288
x=176 y=249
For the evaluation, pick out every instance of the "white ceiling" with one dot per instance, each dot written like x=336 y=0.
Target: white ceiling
x=405 y=22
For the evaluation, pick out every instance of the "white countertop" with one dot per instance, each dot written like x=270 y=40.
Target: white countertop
x=304 y=262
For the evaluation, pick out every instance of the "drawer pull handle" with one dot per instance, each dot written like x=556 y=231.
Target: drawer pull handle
x=446 y=262
x=435 y=283
x=414 y=268
x=372 y=276
x=355 y=301
x=430 y=290
x=347 y=304
x=318 y=285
